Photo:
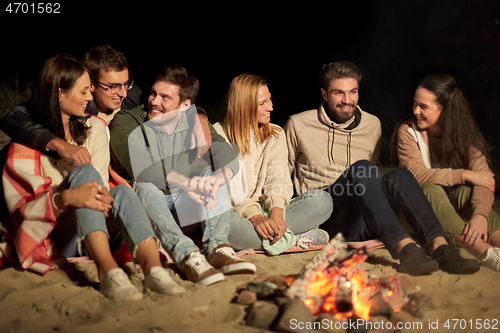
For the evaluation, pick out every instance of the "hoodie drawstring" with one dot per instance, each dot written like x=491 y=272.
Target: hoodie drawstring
x=349 y=149
x=330 y=157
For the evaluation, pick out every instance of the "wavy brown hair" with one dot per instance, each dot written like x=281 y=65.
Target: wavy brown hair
x=59 y=72
x=459 y=129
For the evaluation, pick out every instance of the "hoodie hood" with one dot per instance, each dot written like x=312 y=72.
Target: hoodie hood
x=348 y=127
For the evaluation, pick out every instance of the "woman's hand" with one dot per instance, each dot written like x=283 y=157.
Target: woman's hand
x=264 y=226
x=269 y=228
x=475 y=230
x=480 y=178
x=89 y=195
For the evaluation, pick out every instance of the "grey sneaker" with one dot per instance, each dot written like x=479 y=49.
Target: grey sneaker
x=115 y=285
x=311 y=237
x=159 y=280
x=198 y=270
x=491 y=259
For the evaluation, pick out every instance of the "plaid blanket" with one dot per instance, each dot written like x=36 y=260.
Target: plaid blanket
x=28 y=196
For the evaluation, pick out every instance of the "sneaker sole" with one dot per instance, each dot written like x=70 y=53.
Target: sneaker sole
x=238 y=268
x=427 y=269
x=211 y=279
x=467 y=270
x=132 y=297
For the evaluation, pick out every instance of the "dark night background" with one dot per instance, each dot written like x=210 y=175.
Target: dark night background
x=394 y=43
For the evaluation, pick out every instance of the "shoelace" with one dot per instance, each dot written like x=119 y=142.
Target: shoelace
x=228 y=252
x=494 y=256
x=304 y=241
x=160 y=275
x=119 y=278
x=198 y=263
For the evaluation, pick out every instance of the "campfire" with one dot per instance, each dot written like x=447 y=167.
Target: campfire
x=335 y=282
x=332 y=284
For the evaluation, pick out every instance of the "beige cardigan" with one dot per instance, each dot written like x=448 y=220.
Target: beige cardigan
x=97 y=144
x=264 y=176
x=414 y=154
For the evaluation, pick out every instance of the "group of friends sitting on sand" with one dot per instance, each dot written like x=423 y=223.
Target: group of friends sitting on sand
x=76 y=187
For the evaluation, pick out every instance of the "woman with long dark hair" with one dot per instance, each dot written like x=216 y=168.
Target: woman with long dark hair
x=47 y=196
x=444 y=149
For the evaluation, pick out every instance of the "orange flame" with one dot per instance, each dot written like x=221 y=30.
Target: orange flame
x=324 y=285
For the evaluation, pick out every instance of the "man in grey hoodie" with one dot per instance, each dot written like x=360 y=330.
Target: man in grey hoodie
x=336 y=147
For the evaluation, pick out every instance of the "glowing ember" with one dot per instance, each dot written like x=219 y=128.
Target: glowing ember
x=335 y=282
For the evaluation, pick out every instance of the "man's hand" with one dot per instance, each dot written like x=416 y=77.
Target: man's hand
x=209 y=185
x=66 y=150
x=201 y=136
x=475 y=230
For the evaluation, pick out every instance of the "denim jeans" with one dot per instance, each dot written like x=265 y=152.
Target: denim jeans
x=305 y=212
x=127 y=215
x=161 y=209
x=365 y=206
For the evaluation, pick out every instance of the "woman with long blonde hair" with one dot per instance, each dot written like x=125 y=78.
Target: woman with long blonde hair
x=261 y=192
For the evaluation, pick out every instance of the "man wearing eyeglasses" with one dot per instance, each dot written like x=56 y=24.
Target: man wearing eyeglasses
x=112 y=89
x=111 y=86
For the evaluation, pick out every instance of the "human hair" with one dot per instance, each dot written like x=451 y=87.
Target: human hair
x=459 y=130
x=188 y=84
x=106 y=58
x=59 y=72
x=338 y=70
x=241 y=112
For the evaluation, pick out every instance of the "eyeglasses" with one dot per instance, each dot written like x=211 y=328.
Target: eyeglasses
x=115 y=88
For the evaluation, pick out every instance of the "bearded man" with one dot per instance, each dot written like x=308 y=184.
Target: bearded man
x=335 y=147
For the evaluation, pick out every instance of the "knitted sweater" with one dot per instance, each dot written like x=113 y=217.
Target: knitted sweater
x=28 y=196
x=319 y=150
x=267 y=178
x=414 y=154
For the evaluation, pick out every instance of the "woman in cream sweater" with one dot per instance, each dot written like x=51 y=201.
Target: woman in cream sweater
x=47 y=195
x=261 y=192
x=447 y=154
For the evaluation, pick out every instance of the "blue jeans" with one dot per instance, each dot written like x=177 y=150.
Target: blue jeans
x=305 y=212
x=365 y=206
x=161 y=209
x=126 y=215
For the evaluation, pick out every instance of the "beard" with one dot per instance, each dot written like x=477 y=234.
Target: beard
x=342 y=116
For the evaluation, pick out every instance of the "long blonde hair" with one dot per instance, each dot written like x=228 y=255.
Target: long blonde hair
x=242 y=105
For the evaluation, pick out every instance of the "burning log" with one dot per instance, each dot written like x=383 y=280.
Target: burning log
x=334 y=282
x=323 y=279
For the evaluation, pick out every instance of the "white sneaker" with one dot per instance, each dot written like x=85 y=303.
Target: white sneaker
x=311 y=237
x=159 y=280
x=115 y=285
x=225 y=260
x=491 y=259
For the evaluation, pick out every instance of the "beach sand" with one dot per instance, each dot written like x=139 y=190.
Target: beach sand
x=66 y=300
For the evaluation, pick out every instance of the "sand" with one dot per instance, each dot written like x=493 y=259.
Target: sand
x=66 y=300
